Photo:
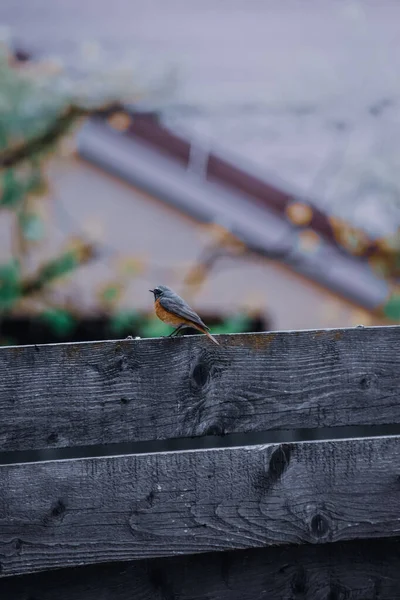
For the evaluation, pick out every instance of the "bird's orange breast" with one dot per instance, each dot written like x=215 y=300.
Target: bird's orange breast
x=168 y=317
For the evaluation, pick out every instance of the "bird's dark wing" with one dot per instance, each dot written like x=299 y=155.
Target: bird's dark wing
x=178 y=306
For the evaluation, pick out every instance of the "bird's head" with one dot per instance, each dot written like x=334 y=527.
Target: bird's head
x=159 y=291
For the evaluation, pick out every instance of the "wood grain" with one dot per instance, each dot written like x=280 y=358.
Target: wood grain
x=128 y=391
x=342 y=571
x=83 y=511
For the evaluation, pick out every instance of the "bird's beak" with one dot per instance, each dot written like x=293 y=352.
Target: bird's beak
x=152 y=291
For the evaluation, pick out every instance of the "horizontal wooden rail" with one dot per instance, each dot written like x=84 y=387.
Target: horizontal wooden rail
x=128 y=391
x=77 y=512
x=331 y=571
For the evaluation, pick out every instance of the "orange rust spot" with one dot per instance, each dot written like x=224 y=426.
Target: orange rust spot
x=126 y=343
x=97 y=345
x=320 y=333
x=338 y=335
x=17 y=349
x=257 y=341
x=72 y=351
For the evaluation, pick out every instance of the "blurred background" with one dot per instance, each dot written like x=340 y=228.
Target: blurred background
x=244 y=152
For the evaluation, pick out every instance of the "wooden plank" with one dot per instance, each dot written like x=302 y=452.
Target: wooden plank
x=342 y=571
x=108 y=392
x=77 y=512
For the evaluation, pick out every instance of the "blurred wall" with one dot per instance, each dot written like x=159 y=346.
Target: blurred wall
x=296 y=87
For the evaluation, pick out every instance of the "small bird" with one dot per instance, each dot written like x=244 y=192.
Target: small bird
x=173 y=310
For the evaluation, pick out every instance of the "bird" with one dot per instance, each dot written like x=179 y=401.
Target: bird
x=173 y=310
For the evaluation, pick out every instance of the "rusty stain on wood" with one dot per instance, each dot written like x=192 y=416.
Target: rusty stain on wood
x=255 y=341
x=262 y=341
x=16 y=350
x=72 y=350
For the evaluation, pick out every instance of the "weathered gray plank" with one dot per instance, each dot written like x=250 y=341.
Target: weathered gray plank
x=67 y=513
x=342 y=571
x=108 y=392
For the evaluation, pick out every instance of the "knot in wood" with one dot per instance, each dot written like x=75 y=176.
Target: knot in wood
x=58 y=509
x=56 y=513
x=367 y=381
x=200 y=374
x=299 y=584
x=279 y=462
x=319 y=526
x=52 y=438
x=215 y=429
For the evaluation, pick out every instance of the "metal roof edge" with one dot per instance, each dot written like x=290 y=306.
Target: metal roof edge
x=259 y=228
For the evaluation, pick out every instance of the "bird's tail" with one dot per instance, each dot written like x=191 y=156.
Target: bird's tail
x=208 y=334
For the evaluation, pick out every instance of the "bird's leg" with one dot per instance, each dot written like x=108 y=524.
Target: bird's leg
x=182 y=327
x=177 y=330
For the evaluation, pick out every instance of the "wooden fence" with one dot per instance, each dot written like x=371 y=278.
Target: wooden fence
x=92 y=507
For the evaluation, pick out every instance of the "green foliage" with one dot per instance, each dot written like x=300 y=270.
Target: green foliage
x=392 y=308
x=31 y=100
x=60 y=321
x=58 y=267
x=32 y=227
x=10 y=284
x=12 y=190
x=153 y=327
x=123 y=321
x=16 y=183
x=40 y=103
x=111 y=294
x=28 y=104
x=239 y=323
